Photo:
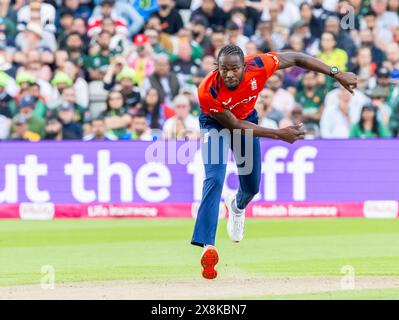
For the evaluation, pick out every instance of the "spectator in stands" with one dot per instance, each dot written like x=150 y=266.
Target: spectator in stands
x=5 y=127
x=363 y=65
x=165 y=41
x=120 y=44
x=377 y=96
x=68 y=95
x=79 y=26
x=99 y=131
x=155 y=111
x=139 y=129
x=296 y=116
x=75 y=48
x=266 y=98
x=366 y=38
x=80 y=85
x=199 y=25
x=38 y=12
x=391 y=91
x=26 y=109
x=117 y=119
x=187 y=59
x=263 y=112
x=212 y=12
x=382 y=36
x=53 y=130
x=99 y=59
x=283 y=100
x=330 y=54
x=392 y=62
x=311 y=98
x=7 y=36
x=341 y=111
x=309 y=44
x=79 y=9
x=155 y=41
x=71 y=129
x=21 y=129
x=369 y=126
x=65 y=21
x=235 y=35
x=343 y=38
x=288 y=13
x=171 y=20
x=163 y=80
x=218 y=41
x=8 y=107
x=127 y=80
x=6 y=60
x=385 y=19
x=34 y=65
x=60 y=81
x=97 y=22
x=182 y=125
x=356 y=101
x=142 y=61
x=264 y=36
x=40 y=108
x=208 y=64
x=394 y=119
x=120 y=10
x=190 y=92
x=245 y=15
x=33 y=37
x=314 y=23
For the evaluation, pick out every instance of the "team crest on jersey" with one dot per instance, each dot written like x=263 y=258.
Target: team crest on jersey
x=254 y=85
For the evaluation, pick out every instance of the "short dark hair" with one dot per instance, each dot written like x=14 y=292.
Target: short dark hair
x=231 y=50
x=98 y=118
x=370 y=12
x=74 y=33
x=333 y=35
x=140 y=114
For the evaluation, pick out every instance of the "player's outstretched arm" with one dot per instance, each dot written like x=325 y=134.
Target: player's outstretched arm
x=288 y=59
x=289 y=134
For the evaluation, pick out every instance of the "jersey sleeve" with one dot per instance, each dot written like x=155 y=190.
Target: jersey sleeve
x=271 y=62
x=208 y=103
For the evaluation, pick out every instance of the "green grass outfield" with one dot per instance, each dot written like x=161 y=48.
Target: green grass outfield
x=86 y=250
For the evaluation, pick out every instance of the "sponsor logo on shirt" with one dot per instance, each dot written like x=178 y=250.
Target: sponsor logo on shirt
x=226 y=103
x=246 y=100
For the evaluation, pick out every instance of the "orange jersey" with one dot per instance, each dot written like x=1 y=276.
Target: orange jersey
x=214 y=96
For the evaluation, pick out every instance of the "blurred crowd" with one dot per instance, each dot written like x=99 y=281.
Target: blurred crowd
x=129 y=69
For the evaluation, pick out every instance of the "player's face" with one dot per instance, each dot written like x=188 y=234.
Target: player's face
x=231 y=69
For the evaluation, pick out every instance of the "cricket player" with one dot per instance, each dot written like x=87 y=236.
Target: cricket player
x=227 y=97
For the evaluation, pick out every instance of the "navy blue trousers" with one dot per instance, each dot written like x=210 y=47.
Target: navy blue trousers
x=214 y=154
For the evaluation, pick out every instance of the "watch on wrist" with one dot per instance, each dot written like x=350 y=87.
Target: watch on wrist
x=334 y=71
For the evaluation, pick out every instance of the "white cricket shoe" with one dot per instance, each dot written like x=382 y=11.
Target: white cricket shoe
x=236 y=221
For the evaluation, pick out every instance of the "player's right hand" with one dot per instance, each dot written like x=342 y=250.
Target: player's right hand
x=292 y=133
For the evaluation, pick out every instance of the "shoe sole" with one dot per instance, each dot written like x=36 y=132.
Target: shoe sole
x=209 y=260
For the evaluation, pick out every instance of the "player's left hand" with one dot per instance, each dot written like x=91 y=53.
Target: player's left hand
x=348 y=80
x=292 y=133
